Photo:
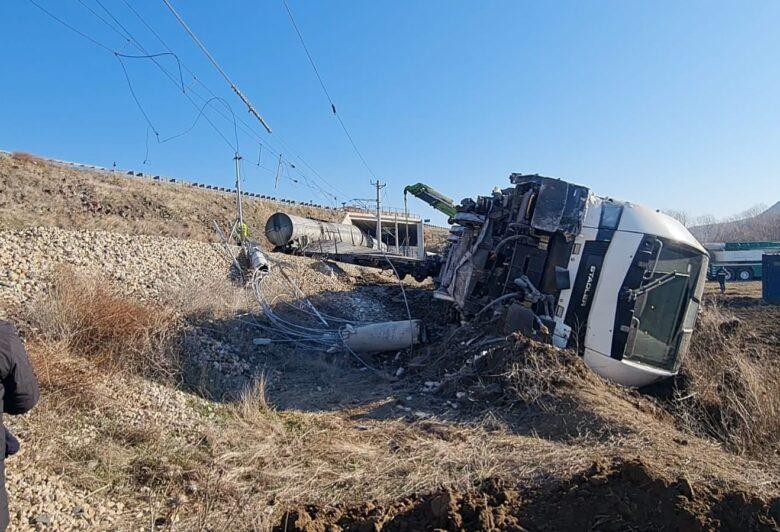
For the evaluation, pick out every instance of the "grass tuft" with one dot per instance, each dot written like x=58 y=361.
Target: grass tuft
x=24 y=157
x=730 y=390
x=89 y=318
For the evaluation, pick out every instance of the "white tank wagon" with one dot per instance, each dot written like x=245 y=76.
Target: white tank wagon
x=617 y=281
x=287 y=230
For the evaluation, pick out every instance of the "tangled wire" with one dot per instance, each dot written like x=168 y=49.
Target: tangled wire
x=293 y=318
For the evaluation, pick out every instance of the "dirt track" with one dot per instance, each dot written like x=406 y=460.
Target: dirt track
x=744 y=300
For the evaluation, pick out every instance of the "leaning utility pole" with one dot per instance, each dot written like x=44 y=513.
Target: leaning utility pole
x=379 y=186
x=239 y=207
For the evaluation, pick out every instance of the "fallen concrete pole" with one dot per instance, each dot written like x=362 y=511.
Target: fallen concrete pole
x=386 y=336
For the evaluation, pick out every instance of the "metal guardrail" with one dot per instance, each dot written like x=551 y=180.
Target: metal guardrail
x=132 y=174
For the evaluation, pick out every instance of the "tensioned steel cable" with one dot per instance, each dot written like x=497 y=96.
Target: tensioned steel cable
x=245 y=127
x=324 y=89
x=216 y=65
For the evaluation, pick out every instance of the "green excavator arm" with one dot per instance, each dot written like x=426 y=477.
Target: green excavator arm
x=432 y=197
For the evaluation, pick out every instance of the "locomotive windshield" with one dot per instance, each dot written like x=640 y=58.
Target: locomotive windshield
x=665 y=307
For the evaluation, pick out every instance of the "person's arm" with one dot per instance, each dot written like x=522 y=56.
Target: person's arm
x=21 y=387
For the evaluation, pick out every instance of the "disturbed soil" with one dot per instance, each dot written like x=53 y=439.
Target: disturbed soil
x=668 y=481
x=621 y=495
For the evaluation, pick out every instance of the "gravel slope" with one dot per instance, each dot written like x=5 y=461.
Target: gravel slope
x=143 y=265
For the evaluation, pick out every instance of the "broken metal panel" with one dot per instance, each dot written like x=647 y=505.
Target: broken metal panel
x=550 y=202
x=521 y=232
x=455 y=254
x=559 y=206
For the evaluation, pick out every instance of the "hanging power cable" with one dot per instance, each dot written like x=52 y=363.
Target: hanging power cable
x=71 y=28
x=125 y=34
x=324 y=89
x=216 y=65
x=178 y=81
x=243 y=125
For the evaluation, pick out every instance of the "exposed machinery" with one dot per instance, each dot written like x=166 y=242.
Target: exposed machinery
x=432 y=197
x=742 y=260
x=619 y=282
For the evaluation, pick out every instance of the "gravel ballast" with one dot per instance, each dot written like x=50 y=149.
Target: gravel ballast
x=144 y=266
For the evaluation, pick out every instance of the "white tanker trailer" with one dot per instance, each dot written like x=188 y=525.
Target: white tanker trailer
x=287 y=230
x=617 y=281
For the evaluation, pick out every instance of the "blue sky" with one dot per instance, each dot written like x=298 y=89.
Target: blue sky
x=672 y=104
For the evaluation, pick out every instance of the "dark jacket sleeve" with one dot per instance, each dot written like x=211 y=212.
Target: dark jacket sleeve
x=20 y=385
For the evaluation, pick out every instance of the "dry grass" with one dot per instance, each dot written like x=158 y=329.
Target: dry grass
x=38 y=192
x=213 y=298
x=538 y=371
x=298 y=457
x=66 y=381
x=86 y=316
x=731 y=391
x=240 y=466
x=24 y=157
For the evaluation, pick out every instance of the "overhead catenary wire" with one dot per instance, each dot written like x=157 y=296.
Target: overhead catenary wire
x=232 y=118
x=71 y=28
x=138 y=104
x=152 y=56
x=244 y=126
x=324 y=88
x=197 y=119
x=131 y=39
x=127 y=36
x=217 y=66
x=177 y=80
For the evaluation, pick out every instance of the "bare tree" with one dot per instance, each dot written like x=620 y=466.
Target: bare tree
x=681 y=216
x=753 y=224
x=705 y=228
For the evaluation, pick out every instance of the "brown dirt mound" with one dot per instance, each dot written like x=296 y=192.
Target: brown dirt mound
x=622 y=495
x=516 y=370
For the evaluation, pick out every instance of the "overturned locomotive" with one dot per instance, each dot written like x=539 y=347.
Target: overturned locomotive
x=617 y=281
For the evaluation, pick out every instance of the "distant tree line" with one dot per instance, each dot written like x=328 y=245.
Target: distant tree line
x=755 y=224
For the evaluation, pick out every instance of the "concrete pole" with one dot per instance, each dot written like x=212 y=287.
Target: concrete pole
x=278 y=170
x=385 y=336
x=379 y=186
x=421 y=240
x=406 y=224
x=239 y=206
